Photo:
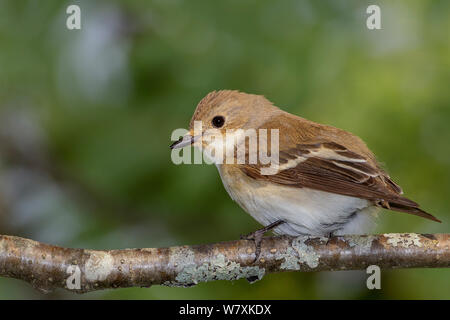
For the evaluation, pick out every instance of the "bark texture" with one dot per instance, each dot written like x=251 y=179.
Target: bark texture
x=47 y=267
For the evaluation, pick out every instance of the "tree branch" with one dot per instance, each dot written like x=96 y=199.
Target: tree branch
x=47 y=267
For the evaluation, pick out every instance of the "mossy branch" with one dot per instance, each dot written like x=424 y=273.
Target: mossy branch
x=47 y=267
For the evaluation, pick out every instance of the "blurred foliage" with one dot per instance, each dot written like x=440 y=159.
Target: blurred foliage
x=94 y=109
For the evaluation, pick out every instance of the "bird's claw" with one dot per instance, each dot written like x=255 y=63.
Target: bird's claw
x=257 y=237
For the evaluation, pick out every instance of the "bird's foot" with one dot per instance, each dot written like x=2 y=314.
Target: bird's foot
x=330 y=235
x=257 y=236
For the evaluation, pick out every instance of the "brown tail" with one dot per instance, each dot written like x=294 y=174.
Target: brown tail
x=412 y=208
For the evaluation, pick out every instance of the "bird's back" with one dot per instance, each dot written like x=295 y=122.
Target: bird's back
x=332 y=160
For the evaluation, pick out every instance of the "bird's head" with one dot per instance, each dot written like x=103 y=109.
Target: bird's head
x=221 y=112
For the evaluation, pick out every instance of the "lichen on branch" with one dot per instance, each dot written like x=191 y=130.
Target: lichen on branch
x=47 y=267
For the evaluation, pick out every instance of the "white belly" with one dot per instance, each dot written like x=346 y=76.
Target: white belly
x=305 y=211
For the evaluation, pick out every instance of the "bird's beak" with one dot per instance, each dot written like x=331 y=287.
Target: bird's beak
x=184 y=141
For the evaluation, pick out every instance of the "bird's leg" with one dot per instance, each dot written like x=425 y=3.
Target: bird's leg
x=257 y=236
x=330 y=235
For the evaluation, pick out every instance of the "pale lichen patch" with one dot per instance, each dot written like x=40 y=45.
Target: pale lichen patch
x=219 y=268
x=362 y=242
x=299 y=252
x=404 y=240
x=181 y=257
x=98 y=266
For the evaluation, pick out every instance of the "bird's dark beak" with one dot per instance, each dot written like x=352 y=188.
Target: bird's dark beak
x=184 y=141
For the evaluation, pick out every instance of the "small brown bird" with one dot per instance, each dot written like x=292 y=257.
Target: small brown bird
x=327 y=182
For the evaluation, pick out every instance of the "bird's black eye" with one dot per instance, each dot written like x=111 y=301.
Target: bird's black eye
x=218 y=121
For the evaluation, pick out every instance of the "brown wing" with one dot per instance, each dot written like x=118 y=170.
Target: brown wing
x=331 y=167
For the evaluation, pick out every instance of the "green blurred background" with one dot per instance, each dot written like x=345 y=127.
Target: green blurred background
x=86 y=117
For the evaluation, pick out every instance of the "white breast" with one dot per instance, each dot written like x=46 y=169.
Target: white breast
x=306 y=211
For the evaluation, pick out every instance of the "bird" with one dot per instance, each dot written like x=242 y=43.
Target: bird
x=327 y=180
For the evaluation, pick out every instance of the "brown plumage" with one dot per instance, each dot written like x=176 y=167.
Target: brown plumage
x=311 y=156
x=367 y=181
